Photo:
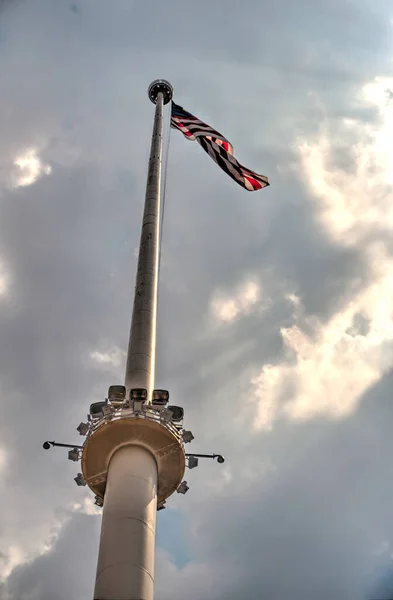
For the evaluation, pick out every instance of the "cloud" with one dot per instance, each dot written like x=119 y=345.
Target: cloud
x=5 y=279
x=87 y=506
x=29 y=168
x=329 y=366
x=113 y=358
x=39 y=579
x=348 y=168
x=245 y=299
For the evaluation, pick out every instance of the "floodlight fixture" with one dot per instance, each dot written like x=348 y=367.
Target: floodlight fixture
x=83 y=428
x=97 y=410
x=73 y=454
x=46 y=445
x=187 y=437
x=117 y=395
x=183 y=488
x=161 y=505
x=177 y=412
x=98 y=501
x=160 y=397
x=192 y=462
x=138 y=394
x=79 y=480
x=220 y=459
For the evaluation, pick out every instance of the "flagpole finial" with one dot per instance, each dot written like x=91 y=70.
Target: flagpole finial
x=160 y=85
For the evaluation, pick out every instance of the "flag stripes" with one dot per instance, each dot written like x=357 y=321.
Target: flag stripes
x=217 y=147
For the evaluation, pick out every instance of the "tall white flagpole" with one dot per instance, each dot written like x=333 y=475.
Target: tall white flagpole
x=125 y=569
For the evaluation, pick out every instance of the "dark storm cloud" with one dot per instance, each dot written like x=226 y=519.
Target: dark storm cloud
x=74 y=87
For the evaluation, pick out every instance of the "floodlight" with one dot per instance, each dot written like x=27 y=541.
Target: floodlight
x=79 y=480
x=187 y=437
x=192 y=462
x=117 y=394
x=183 y=488
x=160 y=397
x=139 y=394
x=46 y=445
x=83 y=428
x=73 y=454
x=161 y=505
x=96 y=410
x=220 y=459
x=178 y=413
x=98 y=501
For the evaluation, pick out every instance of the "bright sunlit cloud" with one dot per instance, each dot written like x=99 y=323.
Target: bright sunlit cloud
x=227 y=308
x=350 y=171
x=29 y=168
x=325 y=374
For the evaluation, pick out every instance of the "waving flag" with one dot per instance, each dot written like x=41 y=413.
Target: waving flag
x=217 y=146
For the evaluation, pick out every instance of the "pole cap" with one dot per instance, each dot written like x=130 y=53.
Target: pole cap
x=160 y=85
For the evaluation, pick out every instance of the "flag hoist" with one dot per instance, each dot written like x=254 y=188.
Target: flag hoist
x=133 y=457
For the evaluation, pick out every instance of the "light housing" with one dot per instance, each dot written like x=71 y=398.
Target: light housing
x=161 y=505
x=187 y=436
x=177 y=413
x=160 y=397
x=98 y=501
x=83 y=428
x=192 y=462
x=79 y=480
x=73 y=454
x=138 y=394
x=97 y=410
x=117 y=394
x=183 y=488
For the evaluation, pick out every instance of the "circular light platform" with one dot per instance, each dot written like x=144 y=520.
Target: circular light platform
x=162 y=443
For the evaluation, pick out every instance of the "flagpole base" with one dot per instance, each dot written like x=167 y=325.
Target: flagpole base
x=163 y=86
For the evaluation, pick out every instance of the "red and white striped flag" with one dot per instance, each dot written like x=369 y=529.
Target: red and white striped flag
x=217 y=146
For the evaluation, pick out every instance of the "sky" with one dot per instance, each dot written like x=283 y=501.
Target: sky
x=275 y=318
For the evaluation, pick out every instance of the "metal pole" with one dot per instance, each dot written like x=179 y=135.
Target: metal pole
x=142 y=342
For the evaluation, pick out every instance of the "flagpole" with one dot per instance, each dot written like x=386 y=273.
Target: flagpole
x=140 y=367
x=125 y=568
